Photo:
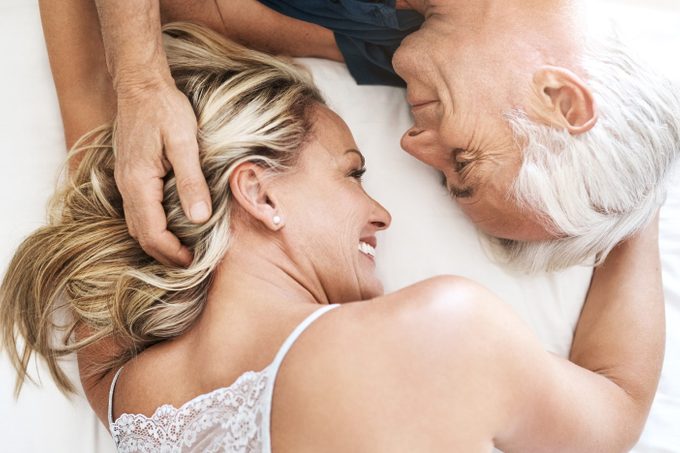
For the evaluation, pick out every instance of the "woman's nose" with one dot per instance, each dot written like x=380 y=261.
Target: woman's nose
x=381 y=217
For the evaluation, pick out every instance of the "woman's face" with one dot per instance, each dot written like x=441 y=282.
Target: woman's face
x=330 y=221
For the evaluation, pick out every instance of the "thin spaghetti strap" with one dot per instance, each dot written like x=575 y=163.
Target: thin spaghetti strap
x=113 y=385
x=296 y=333
x=274 y=369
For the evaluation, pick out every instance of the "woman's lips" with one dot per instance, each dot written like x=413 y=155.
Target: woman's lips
x=370 y=240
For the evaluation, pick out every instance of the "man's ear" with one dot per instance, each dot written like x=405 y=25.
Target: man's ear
x=250 y=185
x=562 y=99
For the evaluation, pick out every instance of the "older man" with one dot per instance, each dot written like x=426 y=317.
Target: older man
x=552 y=140
x=554 y=145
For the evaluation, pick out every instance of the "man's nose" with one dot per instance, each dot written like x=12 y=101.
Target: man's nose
x=399 y=62
x=424 y=145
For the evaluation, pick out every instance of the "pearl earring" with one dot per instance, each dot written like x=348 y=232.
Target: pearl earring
x=276 y=219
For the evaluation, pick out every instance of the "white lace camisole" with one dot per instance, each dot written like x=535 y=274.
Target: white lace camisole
x=230 y=419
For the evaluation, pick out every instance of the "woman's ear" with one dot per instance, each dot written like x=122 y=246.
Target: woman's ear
x=562 y=99
x=250 y=185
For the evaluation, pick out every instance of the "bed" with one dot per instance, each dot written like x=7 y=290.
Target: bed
x=429 y=234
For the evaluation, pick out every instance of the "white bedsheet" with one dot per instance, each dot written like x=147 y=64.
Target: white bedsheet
x=428 y=236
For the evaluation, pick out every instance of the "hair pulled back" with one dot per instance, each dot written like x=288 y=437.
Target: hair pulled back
x=84 y=273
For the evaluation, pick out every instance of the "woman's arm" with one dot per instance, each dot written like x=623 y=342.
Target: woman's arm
x=468 y=373
x=86 y=101
x=600 y=401
x=486 y=378
x=256 y=26
x=76 y=54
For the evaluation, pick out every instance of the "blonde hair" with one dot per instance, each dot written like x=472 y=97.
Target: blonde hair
x=250 y=107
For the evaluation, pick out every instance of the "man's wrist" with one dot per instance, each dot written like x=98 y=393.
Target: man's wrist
x=133 y=79
x=131 y=32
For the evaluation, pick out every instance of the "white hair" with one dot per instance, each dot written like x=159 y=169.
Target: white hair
x=595 y=189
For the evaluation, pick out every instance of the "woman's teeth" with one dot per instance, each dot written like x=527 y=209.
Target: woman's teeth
x=367 y=249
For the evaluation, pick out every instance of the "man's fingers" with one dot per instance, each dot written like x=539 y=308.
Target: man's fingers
x=166 y=249
x=150 y=120
x=128 y=220
x=191 y=186
x=149 y=227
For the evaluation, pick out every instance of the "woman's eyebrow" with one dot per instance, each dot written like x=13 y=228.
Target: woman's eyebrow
x=361 y=156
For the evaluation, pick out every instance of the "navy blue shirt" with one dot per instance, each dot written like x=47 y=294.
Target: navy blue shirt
x=367 y=32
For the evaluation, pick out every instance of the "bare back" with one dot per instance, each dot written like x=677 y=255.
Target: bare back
x=366 y=377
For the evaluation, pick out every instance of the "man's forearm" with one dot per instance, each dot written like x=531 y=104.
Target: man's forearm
x=131 y=31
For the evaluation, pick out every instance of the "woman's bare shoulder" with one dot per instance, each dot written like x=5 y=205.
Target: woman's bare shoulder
x=371 y=368
x=433 y=311
x=427 y=308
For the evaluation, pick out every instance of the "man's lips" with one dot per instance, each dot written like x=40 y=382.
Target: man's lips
x=417 y=102
x=420 y=104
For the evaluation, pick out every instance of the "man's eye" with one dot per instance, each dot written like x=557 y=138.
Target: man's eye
x=460 y=159
x=358 y=173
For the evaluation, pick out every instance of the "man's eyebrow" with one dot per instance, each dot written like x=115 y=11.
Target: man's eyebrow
x=456 y=191
x=361 y=156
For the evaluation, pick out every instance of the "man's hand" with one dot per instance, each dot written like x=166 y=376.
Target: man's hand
x=156 y=131
x=156 y=128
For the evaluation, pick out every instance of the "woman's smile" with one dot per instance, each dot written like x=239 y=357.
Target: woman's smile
x=367 y=249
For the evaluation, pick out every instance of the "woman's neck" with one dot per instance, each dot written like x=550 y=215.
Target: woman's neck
x=256 y=297
x=260 y=272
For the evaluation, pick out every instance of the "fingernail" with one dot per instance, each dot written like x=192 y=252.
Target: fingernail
x=199 y=212
x=185 y=257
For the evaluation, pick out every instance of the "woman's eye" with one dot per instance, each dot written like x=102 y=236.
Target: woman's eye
x=358 y=173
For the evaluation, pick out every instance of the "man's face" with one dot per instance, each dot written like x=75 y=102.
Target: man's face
x=461 y=81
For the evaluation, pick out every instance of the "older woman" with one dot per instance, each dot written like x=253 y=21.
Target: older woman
x=278 y=337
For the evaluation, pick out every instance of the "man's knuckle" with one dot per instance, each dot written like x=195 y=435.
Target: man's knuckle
x=189 y=184
x=182 y=143
x=125 y=173
x=122 y=182
x=132 y=230
x=147 y=242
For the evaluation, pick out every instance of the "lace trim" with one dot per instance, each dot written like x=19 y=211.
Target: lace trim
x=228 y=419
x=232 y=419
